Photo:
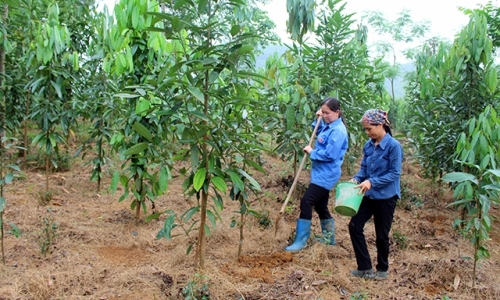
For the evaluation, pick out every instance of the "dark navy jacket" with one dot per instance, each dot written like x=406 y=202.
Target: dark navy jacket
x=382 y=165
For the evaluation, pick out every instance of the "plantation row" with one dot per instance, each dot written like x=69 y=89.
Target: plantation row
x=152 y=76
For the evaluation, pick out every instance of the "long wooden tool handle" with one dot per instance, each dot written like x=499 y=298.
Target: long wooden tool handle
x=290 y=192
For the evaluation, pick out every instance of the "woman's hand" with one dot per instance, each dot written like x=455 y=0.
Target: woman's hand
x=319 y=113
x=307 y=149
x=364 y=186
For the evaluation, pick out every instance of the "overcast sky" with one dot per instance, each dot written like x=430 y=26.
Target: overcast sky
x=446 y=20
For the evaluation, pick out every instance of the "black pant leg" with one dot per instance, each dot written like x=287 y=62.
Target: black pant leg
x=383 y=214
x=356 y=232
x=313 y=196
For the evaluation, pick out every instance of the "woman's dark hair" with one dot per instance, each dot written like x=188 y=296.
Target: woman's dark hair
x=388 y=129
x=334 y=105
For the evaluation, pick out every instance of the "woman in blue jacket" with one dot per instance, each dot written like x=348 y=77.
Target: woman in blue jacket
x=326 y=157
x=379 y=181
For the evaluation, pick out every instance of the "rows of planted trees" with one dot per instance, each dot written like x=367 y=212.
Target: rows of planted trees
x=177 y=81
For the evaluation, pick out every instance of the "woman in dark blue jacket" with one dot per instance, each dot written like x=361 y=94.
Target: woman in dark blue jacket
x=379 y=181
x=327 y=157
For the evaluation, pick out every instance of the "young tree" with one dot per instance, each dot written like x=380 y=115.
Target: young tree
x=453 y=87
x=403 y=30
x=50 y=83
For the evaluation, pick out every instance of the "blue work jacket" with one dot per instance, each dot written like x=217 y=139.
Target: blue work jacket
x=328 y=153
x=382 y=165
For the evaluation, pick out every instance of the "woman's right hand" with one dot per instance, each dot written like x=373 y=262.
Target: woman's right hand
x=319 y=113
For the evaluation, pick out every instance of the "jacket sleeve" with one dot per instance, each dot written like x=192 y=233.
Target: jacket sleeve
x=395 y=155
x=333 y=150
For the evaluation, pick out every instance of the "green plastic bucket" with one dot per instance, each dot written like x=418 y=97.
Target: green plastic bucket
x=347 y=199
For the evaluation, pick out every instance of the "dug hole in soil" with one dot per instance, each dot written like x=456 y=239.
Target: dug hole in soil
x=100 y=251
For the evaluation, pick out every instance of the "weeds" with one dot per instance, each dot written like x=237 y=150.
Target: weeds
x=324 y=237
x=197 y=289
x=44 y=198
x=61 y=162
x=263 y=218
x=401 y=240
x=49 y=232
x=359 y=296
x=408 y=198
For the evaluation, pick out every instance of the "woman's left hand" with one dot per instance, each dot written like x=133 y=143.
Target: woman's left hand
x=307 y=149
x=364 y=186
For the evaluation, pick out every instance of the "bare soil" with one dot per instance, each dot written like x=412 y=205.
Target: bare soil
x=101 y=251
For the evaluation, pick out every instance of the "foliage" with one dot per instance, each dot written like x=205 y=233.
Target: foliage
x=400 y=239
x=8 y=172
x=142 y=134
x=197 y=289
x=360 y=295
x=478 y=187
x=451 y=87
x=209 y=104
x=402 y=30
x=50 y=84
x=492 y=14
x=48 y=234
x=301 y=17
x=300 y=80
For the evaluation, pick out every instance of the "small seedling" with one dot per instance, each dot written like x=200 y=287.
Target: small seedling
x=359 y=296
x=44 y=198
x=49 y=232
x=197 y=289
x=400 y=239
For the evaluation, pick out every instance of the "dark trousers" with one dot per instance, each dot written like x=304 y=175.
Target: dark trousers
x=383 y=214
x=315 y=197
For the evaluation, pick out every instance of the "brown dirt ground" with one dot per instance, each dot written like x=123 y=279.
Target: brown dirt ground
x=101 y=252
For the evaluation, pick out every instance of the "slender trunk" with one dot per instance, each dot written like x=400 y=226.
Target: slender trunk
x=1 y=212
x=1 y=237
x=2 y=72
x=392 y=91
x=100 y=156
x=138 y=211
x=25 y=137
x=204 y=196
x=47 y=172
x=242 y=238
x=295 y=164
x=47 y=167
x=139 y=201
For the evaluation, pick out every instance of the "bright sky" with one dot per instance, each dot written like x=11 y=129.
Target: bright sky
x=446 y=20
x=444 y=16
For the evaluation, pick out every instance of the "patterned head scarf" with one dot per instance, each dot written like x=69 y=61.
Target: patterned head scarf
x=375 y=117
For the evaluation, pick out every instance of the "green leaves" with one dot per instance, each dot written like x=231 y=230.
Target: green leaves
x=459 y=177
x=136 y=149
x=143 y=131
x=301 y=17
x=219 y=184
x=199 y=178
x=197 y=93
x=2 y=203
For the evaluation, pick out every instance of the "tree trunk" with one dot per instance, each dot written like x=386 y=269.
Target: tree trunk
x=242 y=238
x=1 y=237
x=47 y=172
x=25 y=137
x=47 y=166
x=2 y=72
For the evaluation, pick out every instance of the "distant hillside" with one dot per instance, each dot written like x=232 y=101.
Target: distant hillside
x=399 y=83
x=261 y=60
